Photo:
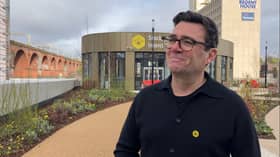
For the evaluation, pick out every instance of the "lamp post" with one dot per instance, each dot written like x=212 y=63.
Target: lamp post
x=153 y=35
x=265 y=66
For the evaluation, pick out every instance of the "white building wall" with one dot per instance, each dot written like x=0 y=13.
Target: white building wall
x=3 y=38
x=245 y=35
x=246 y=38
x=19 y=93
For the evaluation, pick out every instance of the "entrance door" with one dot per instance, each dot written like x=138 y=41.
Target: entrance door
x=143 y=68
x=148 y=73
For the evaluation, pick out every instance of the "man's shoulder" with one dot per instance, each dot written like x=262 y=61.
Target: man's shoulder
x=224 y=91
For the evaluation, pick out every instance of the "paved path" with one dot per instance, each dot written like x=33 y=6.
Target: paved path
x=91 y=136
x=96 y=136
x=272 y=119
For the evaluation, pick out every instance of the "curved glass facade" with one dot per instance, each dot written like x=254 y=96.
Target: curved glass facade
x=126 y=60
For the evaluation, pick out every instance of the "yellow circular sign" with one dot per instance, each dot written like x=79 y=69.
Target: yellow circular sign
x=138 y=41
x=195 y=133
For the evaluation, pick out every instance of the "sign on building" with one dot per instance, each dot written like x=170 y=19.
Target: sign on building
x=3 y=38
x=248 y=16
x=247 y=3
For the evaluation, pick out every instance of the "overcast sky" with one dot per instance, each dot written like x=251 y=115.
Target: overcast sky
x=61 y=23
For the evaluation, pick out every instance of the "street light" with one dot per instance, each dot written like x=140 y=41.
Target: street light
x=265 y=66
x=153 y=35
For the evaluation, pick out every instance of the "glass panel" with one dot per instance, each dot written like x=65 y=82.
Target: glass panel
x=224 y=68
x=85 y=67
x=144 y=70
x=117 y=61
x=138 y=70
x=230 y=69
x=212 y=69
x=103 y=69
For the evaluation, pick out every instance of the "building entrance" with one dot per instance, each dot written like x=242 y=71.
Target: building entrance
x=144 y=66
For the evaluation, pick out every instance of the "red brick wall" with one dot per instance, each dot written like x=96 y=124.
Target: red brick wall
x=30 y=62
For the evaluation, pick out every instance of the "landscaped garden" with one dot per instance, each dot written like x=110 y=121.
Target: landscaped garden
x=22 y=130
x=258 y=107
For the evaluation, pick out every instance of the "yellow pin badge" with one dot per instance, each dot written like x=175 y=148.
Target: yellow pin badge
x=195 y=133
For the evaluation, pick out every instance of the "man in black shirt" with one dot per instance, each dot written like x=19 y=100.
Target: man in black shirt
x=189 y=114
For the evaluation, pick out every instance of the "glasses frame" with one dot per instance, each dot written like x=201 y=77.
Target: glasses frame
x=173 y=39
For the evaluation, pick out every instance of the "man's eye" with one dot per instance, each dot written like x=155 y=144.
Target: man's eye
x=186 y=41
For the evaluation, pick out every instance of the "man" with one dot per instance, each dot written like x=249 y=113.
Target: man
x=188 y=114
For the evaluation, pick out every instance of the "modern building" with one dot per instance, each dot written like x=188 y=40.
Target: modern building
x=238 y=21
x=4 y=39
x=125 y=59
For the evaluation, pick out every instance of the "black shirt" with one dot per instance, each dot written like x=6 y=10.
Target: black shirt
x=211 y=122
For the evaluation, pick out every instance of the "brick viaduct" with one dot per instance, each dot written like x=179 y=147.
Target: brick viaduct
x=30 y=62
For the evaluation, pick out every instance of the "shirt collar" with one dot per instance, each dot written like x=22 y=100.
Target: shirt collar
x=207 y=88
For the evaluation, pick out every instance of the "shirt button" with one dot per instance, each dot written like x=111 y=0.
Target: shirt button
x=171 y=150
x=178 y=120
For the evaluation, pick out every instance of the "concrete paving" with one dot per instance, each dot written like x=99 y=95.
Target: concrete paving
x=96 y=136
x=272 y=119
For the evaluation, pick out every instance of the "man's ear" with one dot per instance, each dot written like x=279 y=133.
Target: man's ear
x=212 y=55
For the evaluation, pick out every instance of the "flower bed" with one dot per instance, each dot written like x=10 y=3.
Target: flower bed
x=22 y=130
x=258 y=109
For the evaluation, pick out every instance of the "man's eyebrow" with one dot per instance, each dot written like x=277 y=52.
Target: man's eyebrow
x=187 y=37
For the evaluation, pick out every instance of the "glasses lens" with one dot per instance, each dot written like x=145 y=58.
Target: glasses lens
x=186 y=44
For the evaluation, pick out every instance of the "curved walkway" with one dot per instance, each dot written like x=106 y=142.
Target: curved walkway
x=91 y=136
x=96 y=136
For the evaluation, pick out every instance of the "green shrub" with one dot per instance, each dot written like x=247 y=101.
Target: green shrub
x=262 y=128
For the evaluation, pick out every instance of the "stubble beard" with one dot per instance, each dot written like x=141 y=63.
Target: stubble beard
x=186 y=69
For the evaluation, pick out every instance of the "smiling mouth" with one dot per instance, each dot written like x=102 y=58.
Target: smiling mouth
x=176 y=59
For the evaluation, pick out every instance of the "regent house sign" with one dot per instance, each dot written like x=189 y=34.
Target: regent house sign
x=138 y=41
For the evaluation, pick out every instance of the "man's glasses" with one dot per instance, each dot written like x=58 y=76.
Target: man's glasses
x=185 y=43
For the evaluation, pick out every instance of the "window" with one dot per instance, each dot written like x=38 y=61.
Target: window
x=111 y=69
x=230 y=68
x=85 y=61
x=212 y=69
x=224 y=68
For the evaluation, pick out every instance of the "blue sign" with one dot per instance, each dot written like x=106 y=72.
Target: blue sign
x=248 y=16
x=247 y=3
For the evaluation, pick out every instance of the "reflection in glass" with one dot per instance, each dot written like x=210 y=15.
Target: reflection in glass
x=111 y=69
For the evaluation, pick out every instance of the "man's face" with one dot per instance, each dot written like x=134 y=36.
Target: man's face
x=188 y=61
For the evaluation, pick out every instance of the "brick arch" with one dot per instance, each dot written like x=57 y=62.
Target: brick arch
x=73 y=66
x=33 y=65
x=65 y=68
x=53 y=67
x=60 y=67
x=21 y=64
x=70 y=68
x=45 y=66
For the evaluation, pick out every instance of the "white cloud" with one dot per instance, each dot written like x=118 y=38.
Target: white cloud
x=63 y=22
